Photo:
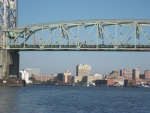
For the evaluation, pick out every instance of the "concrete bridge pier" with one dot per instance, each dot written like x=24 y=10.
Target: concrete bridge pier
x=14 y=66
x=9 y=64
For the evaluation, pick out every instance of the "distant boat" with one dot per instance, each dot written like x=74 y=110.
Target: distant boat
x=93 y=84
x=145 y=86
x=90 y=84
x=112 y=85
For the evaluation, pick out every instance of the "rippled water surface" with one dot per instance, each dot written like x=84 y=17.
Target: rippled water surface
x=73 y=99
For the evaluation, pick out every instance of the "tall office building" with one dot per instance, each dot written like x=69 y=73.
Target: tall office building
x=147 y=74
x=83 y=70
x=65 y=77
x=135 y=73
x=126 y=73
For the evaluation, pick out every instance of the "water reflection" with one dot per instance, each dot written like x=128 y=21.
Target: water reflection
x=9 y=99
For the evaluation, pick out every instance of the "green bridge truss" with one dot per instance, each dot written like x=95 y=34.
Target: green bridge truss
x=90 y=35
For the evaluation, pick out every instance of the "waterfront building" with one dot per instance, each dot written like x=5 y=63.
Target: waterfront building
x=93 y=78
x=43 y=78
x=135 y=73
x=60 y=77
x=83 y=70
x=142 y=76
x=119 y=82
x=147 y=74
x=83 y=75
x=141 y=81
x=77 y=79
x=114 y=74
x=65 y=77
x=24 y=75
x=88 y=79
x=126 y=73
x=31 y=71
x=100 y=82
x=110 y=82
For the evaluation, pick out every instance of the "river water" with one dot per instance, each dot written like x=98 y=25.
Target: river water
x=74 y=99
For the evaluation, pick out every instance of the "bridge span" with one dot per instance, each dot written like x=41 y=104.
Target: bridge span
x=86 y=35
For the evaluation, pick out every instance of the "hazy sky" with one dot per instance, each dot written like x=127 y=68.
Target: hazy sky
x=43 y=11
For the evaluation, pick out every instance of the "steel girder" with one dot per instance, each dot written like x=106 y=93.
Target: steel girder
x=8 y=18
x=91 y=35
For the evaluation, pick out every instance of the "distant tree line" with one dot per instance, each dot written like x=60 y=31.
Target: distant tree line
x=51 y=81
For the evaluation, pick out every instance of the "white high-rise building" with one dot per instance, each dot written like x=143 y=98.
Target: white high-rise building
x=24 y=75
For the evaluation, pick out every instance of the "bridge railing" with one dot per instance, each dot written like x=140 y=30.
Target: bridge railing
x=81 y=48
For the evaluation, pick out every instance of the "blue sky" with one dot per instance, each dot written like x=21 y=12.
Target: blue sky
x=43 y=11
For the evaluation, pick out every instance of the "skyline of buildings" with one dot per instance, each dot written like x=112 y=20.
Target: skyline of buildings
x=84 y=75
x=125 y=71
x=87 y=70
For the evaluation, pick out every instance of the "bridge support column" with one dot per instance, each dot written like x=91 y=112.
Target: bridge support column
x=9 y=64
x=14 y=66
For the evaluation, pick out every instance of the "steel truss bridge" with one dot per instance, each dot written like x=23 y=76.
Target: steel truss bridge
x=90 y=35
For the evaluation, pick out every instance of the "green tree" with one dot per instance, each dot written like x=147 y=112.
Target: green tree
x=32 y=79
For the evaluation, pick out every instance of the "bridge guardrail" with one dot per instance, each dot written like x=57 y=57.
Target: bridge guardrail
x=82 y=47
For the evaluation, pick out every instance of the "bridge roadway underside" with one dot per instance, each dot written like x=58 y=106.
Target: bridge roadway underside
x=79 y=48
x=9 y=64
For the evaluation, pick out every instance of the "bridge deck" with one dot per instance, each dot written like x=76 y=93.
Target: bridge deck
x=80 y=48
